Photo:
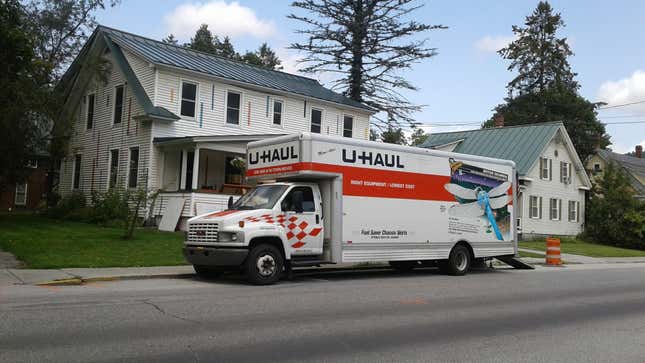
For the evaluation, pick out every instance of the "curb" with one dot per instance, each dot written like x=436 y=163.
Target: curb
x=80 y=280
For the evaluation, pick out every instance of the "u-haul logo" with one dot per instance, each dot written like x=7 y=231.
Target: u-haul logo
x=278 y=154
x=372 y=158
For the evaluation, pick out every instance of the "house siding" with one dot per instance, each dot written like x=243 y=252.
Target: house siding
x=95 y=144
x=553 y=189
x=255 y=116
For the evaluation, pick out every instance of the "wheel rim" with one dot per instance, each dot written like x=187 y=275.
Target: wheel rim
x=266 y=265
x=461 y=260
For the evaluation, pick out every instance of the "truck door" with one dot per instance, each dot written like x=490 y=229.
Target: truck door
x=303 y=228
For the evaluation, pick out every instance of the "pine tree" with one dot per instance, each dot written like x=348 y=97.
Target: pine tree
x=538 y=54
x=170 y=39
x=418 y=137
x=203 y=40
x=264 y=57
x=545 y=88
x=366 y=44
x=225 y=49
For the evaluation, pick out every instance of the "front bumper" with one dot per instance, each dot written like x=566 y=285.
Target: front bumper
x=213 y=256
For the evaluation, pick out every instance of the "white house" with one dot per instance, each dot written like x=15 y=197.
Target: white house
x=552 y=179
x=171 y=119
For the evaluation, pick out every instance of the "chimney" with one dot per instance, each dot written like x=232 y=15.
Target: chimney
x=639 y=151
x=499 y=121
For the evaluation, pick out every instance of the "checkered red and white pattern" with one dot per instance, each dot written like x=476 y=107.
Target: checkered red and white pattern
x=296 y=230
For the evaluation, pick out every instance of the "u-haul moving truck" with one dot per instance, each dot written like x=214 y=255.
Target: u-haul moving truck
x=324 y=199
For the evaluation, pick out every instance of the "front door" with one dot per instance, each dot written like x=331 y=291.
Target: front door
x=304 y=228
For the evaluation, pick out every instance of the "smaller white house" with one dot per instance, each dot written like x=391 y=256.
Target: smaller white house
x=552 y=179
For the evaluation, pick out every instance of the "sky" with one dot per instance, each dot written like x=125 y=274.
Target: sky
x=467 y=79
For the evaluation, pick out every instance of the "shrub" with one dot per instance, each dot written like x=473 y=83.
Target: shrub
x=613 y=215
x=68 y=207
x=110 y=208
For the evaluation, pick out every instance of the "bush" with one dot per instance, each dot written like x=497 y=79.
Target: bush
x=110 y=208
x=69 y=207
x=613 y=215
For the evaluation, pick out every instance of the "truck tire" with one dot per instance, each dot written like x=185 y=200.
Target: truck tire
x=458 y=263
x=264 y=265
x=208 y=271
x=403 y=266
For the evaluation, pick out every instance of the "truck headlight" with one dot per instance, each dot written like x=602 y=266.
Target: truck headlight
x=228 y=237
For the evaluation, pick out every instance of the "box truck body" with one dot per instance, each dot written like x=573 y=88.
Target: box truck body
x=324 y=199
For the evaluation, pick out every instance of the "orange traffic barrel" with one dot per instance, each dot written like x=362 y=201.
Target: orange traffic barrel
x=553 y=252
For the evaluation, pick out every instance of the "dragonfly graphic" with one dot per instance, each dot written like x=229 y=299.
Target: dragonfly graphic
x=483 y=202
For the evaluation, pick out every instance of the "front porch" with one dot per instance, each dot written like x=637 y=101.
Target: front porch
x=200 y=172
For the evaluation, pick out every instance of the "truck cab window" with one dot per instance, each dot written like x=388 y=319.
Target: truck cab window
x=308 y=204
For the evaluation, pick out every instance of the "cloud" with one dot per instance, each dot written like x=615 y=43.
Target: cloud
x=223 y=18
x=491 y=44
x=626 y=90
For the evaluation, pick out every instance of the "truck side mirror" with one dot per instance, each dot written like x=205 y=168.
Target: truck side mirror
x=230 y=202
x=298 y=196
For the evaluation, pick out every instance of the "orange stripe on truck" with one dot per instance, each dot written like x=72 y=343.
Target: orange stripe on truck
x=367 y=182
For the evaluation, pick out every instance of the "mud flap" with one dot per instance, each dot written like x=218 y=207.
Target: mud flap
x=515 y=262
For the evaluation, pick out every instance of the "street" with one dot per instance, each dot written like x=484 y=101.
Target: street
x=594 y=314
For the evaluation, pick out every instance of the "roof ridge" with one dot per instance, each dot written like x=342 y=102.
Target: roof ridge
x=500 y=128
x=199 y=52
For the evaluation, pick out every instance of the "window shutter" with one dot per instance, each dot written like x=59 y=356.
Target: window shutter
x=550 y=169
x=540 y=207
x=559 y=209
x=569 y=176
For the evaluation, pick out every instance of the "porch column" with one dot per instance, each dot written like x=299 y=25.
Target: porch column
x=182 y=172
x=196 y=169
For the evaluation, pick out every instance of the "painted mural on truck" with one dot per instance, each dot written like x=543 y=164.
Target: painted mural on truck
x=484 y=201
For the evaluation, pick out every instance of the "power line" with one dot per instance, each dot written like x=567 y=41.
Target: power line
x=621 y=105
x=479 y=123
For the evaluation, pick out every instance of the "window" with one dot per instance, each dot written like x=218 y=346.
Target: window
x=76 y=183
x=118 y=103
x=565 y=172
x=114 y=168
x=316 y=120
x=277 y=112
x=233 y=101
x=555 y=208
x=308 y=204
x=90 y=111
x=545 y=168
x=133 y=169
x=188 y=99
x=596 y=168
x=535 y=207
x=348 y=126
x=21 y=195
x=574 y=210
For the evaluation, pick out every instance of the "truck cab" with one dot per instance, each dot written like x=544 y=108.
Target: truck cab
x=262 y=232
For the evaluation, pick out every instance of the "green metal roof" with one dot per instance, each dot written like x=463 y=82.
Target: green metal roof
x=181 y=57
x=522 y=144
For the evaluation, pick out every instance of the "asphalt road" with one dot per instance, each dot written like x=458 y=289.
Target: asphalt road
x=557 y=315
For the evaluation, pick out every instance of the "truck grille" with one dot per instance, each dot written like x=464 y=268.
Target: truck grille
x=202 y=233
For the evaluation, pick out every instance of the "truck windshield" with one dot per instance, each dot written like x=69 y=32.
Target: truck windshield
x=262 y=197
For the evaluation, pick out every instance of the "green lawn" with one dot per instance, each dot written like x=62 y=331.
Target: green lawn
x=578 y=247
x=46 y=243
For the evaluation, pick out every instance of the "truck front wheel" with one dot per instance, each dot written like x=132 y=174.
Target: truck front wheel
x=458 y=263
x=264 y=265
